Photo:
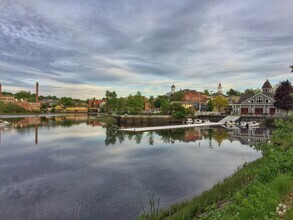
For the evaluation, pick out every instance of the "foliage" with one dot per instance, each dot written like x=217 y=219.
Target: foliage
x=231 y=92
x=253 y=192
x=11 y=108
x=206 y=92
x=163 y=103
x=111 y=101
x=284 y=96
x=178 y=96
x=220 y=102
x=179 y=111
x=251 y=91
x=67 y=101
x=25 y=95
x=211 y=105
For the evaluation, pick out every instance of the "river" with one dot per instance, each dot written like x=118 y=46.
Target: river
x=73 y=167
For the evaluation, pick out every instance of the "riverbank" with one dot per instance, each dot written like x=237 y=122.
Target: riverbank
x=253 y=192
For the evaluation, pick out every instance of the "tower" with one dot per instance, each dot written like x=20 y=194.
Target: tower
x=267 y=87
x=37 y=92
x=173 y=89
x=220 y=88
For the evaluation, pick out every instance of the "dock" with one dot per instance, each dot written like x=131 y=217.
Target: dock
x=155 y=128
x=166 y=127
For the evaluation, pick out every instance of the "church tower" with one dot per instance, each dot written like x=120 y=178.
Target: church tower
x=173 y=89
x=220 y=91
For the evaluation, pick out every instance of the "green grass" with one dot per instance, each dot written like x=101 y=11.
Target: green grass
x=253 y=192
x=107 y=120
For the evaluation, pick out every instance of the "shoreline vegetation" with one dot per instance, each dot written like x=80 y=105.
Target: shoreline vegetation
x=262 y=189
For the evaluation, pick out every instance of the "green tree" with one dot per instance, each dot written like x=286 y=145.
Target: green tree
x=178 y=96
x=284 y=96
x=231 y=92
x=163 y=103
x=111 y=101
x=251 y=91
x=220 y=102
x=66 y=101
x=206 y=92
x=211 y=105
x=179 y=111
x=25 y=95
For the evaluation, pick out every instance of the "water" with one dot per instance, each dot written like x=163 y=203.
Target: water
x=72 y=167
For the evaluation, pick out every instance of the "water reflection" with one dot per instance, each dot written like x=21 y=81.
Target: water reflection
x=83 y=166
x=214 y=136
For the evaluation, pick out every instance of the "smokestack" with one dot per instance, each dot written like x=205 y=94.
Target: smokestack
x=37 y=92
x=0 y=89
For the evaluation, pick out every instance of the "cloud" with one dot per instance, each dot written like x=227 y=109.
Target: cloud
x=131 y=44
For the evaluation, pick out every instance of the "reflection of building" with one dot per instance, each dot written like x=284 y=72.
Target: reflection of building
x=192 y=135
x=252 y=136
x=259 y=104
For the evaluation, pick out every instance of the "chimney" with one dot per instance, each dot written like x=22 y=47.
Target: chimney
x=0 y=89
x=37 y=92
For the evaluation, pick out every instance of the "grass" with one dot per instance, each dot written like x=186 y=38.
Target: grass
x=107 y=120
x=253 y=192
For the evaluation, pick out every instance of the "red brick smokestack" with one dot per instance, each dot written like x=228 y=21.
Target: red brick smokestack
x=37 y=92
x=0 y=89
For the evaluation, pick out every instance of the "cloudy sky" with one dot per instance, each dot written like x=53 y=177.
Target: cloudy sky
x=81 y=48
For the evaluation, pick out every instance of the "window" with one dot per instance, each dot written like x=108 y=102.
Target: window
x=251 y=101
x=259 y=99
x=267 y=101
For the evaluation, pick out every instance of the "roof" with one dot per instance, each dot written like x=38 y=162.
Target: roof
x=243 y=97
x=267 y=85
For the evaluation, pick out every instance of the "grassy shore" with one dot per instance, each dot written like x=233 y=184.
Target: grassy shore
x=253 y=192
x=107 y=119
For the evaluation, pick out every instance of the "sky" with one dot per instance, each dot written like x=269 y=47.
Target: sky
x=81 y=48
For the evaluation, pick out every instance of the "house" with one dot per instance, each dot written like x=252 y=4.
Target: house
x=258 y=104
x=191 y=98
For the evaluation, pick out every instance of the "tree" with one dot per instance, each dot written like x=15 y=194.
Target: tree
x=220 y=102
x=231 y=92
x=111 y=101
x=163 y=103
x=66 y=101
x=178 y=96
x=251 y=91
x=206 y=92
x=179 y=111
x=283 y=96
x=211 y=105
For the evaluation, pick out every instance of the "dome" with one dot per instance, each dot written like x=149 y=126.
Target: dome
x=173 y=86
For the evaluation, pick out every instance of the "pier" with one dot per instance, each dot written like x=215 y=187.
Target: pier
x=171 y=127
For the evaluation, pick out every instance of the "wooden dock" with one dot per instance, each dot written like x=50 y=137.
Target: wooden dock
x=171 y=127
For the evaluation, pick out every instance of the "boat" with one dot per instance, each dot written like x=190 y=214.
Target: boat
x=230 y=123
x=188 y=121
x=197 y=121
x=4 y=123
x=244 y=124
x=253 y=124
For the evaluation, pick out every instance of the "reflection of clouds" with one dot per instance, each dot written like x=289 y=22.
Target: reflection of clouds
x=71 y=166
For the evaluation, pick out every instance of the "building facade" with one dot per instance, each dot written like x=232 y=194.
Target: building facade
x=258 y=104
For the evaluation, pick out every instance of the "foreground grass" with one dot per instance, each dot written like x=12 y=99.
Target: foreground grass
x=253 y=192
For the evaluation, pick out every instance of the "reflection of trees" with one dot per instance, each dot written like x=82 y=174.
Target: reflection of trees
x=168 y=136
x=111 y=135
x=150 y=136
x=220 y=136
